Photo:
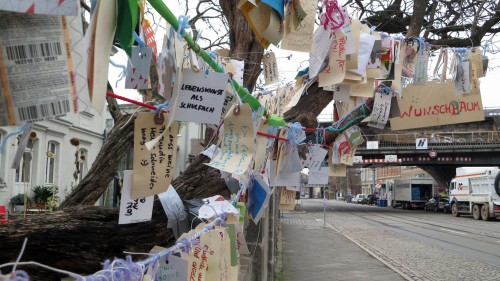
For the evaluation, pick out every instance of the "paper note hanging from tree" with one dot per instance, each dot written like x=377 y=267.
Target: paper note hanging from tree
x=133 y=210
x=381 y=110
x=436 y=104
x=271 y=74
x=334 y=72
x=237 y=144
x=201 y=97
x=322 y=44
x=319 y=176
x=259 y=198
x=299 y=36
x=287 y=199
x=154 y=168
x=138 y=68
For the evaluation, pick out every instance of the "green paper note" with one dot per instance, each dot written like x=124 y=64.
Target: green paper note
x=231 y=229
x=127 y=20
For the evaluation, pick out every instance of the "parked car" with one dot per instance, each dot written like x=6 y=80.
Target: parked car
x=438 y=204
x=369 y=199
x=358 y=198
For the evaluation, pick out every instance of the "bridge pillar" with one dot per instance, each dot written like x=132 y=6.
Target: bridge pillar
x=441 y=174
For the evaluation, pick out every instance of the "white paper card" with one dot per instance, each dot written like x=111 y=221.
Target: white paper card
x=289 y=180
x=138 y=68
x=133 y=210
x=320 y=176
x=211 y=152
x=322 y=44
x=366 y=42
x=380 y=112
x=201 y=97
x=342 y=92
x=314 y=157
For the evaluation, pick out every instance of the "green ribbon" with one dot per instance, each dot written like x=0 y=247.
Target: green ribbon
x=127 y=20
x=165 y=12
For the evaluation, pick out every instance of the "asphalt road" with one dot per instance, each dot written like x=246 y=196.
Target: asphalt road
x=421 y=244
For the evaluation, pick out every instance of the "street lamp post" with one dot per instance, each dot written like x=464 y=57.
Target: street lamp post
x=324 y=206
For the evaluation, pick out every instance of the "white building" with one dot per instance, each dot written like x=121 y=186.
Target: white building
x=51 y=159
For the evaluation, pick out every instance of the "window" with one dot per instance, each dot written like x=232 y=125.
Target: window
x=23 y=173
x=82 y=164
x=50 y=164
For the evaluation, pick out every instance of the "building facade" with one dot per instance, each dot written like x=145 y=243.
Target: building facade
x=50 y=159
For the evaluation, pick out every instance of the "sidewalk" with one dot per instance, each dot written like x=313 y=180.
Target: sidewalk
x=311 y=252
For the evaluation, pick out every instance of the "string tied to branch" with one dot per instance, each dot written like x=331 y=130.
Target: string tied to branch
x=183 y=25
x=296 y=134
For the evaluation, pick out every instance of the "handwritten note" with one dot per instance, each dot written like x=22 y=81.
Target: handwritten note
x=381 y=110
x=237 y=145
x=322 y=44
x=173 y=269
x=138 y=68
x=334 y=73
x=300 y=37
x=271 y=75
x=153 y=169
x=201 y=97
x=133 y=210
x=421 y=65
x=350 y=46
x=197 y=265
x=287 y=199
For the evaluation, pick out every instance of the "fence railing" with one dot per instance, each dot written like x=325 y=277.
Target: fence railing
x=437 y=139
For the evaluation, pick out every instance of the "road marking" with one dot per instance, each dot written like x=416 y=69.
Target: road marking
x=453 y=231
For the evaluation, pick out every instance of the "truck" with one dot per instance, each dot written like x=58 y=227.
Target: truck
x=476 y=194
x=412 y=193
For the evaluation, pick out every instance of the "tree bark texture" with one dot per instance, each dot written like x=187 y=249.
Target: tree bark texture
x=244 y=45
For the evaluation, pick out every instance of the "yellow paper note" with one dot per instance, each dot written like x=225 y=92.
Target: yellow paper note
x=153 y=169
x=287 y=199
x=237 y=145
x=300 y=38
x=363 y=90
x=335 y=72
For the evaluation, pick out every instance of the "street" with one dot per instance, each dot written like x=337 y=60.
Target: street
x=418 y=245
